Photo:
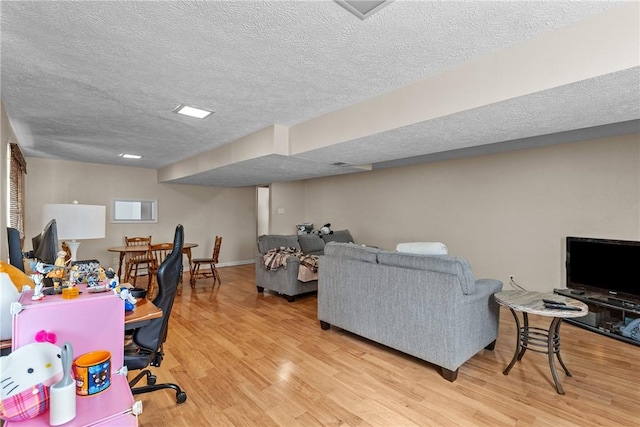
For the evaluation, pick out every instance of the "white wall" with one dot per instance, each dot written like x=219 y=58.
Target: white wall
x=507 y=213
x=203 y=211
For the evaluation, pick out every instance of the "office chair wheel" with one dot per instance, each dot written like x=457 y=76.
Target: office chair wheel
x=181 y=397
x=151 y=380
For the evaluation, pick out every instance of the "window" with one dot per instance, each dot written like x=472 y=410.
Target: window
x=134 y=210
x=17 y=172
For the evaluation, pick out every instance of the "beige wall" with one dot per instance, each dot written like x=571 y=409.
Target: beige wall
x=287 y=207
x=507 y=213
x=204 y=211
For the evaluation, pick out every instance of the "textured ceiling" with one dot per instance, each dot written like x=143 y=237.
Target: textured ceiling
x=85 y=81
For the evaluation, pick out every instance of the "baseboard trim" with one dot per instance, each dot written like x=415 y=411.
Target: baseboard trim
x=232 y=263
x=225 y=264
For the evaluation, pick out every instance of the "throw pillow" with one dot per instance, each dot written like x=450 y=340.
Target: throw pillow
x=423 y=248
x=340 y=236
x=310 y=243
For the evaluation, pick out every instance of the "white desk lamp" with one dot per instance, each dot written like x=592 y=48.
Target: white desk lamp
x=75 y=221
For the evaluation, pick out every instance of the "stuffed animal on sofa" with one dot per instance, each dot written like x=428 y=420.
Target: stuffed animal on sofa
x=26 y=375
x=12 y=280
x=325 y=229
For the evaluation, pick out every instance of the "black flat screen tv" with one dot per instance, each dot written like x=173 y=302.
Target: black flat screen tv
x=609 y=267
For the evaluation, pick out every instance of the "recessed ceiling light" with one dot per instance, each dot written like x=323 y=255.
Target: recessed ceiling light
x=190 y=111
x=363 y=8
x=129 y=156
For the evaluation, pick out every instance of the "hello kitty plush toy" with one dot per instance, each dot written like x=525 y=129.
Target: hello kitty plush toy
x=26 y=375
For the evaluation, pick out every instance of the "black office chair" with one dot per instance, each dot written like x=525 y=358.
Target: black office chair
x=147 y=341
x=15 y=248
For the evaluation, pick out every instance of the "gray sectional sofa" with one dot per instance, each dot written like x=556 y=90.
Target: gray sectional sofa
x=430 y=307
x=285 y=281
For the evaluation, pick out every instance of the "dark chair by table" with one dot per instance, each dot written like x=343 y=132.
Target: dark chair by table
x=15 y=248
x=148 y=340
x=213 y=272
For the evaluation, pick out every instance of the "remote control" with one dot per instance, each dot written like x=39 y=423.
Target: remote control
x=550 y=301
x=562 y=307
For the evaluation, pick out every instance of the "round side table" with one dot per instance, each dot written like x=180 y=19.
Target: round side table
x=538 y=339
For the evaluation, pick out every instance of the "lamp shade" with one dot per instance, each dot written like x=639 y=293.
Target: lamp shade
x=77 y=221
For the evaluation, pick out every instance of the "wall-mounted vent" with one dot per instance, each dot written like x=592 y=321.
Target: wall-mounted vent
x=363 y=8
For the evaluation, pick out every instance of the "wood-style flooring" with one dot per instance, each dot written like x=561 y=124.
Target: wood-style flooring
x=249 y=359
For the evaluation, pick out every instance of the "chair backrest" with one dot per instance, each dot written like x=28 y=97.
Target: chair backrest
x=152 y=335
x=143 y=242
x=15 y=248
x=216 y=249
x=137 y=241
x=159 y=252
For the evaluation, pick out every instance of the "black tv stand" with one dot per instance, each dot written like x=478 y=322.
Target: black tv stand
x=606 y=313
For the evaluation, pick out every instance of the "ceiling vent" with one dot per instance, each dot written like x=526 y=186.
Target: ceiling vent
x=363 y=8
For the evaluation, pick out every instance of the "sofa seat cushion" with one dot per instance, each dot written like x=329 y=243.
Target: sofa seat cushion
x=340 y=236
x=439 y=263
x=352 y=251
x=311 y=244
x=274 y=241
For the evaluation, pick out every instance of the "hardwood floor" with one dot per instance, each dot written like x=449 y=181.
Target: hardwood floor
x=256 y=360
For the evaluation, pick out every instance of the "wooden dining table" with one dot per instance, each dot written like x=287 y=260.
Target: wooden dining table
x=123 y=250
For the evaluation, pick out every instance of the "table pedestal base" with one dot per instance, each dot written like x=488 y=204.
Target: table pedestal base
x=540 y=341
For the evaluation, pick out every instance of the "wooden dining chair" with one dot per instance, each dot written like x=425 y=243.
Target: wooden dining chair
x=138 y=263
x=159 y=252
x=212 y=272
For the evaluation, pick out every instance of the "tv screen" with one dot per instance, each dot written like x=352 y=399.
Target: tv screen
x=45 y=244
x=603 y=265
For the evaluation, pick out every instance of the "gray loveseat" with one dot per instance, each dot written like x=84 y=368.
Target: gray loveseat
x=285 y=281
x=424 y=305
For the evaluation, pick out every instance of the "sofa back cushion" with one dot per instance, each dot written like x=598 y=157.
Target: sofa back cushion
x=274 y=241
x=311 y=244
x=351 y=251
x=340 y=236
x=437 y=263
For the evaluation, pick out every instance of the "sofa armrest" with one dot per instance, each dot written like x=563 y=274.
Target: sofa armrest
x=486 y=287
x=484 y=290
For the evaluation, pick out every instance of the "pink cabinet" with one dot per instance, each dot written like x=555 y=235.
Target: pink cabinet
x=90 y=322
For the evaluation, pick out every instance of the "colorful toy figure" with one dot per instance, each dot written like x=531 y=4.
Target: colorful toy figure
x=40 y=269
x=112 y=279
x=38 y=279
x=57 y=273
x=129 y=300
x=73 y=275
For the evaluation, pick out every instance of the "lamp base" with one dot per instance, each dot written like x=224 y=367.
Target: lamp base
x=73 y=247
